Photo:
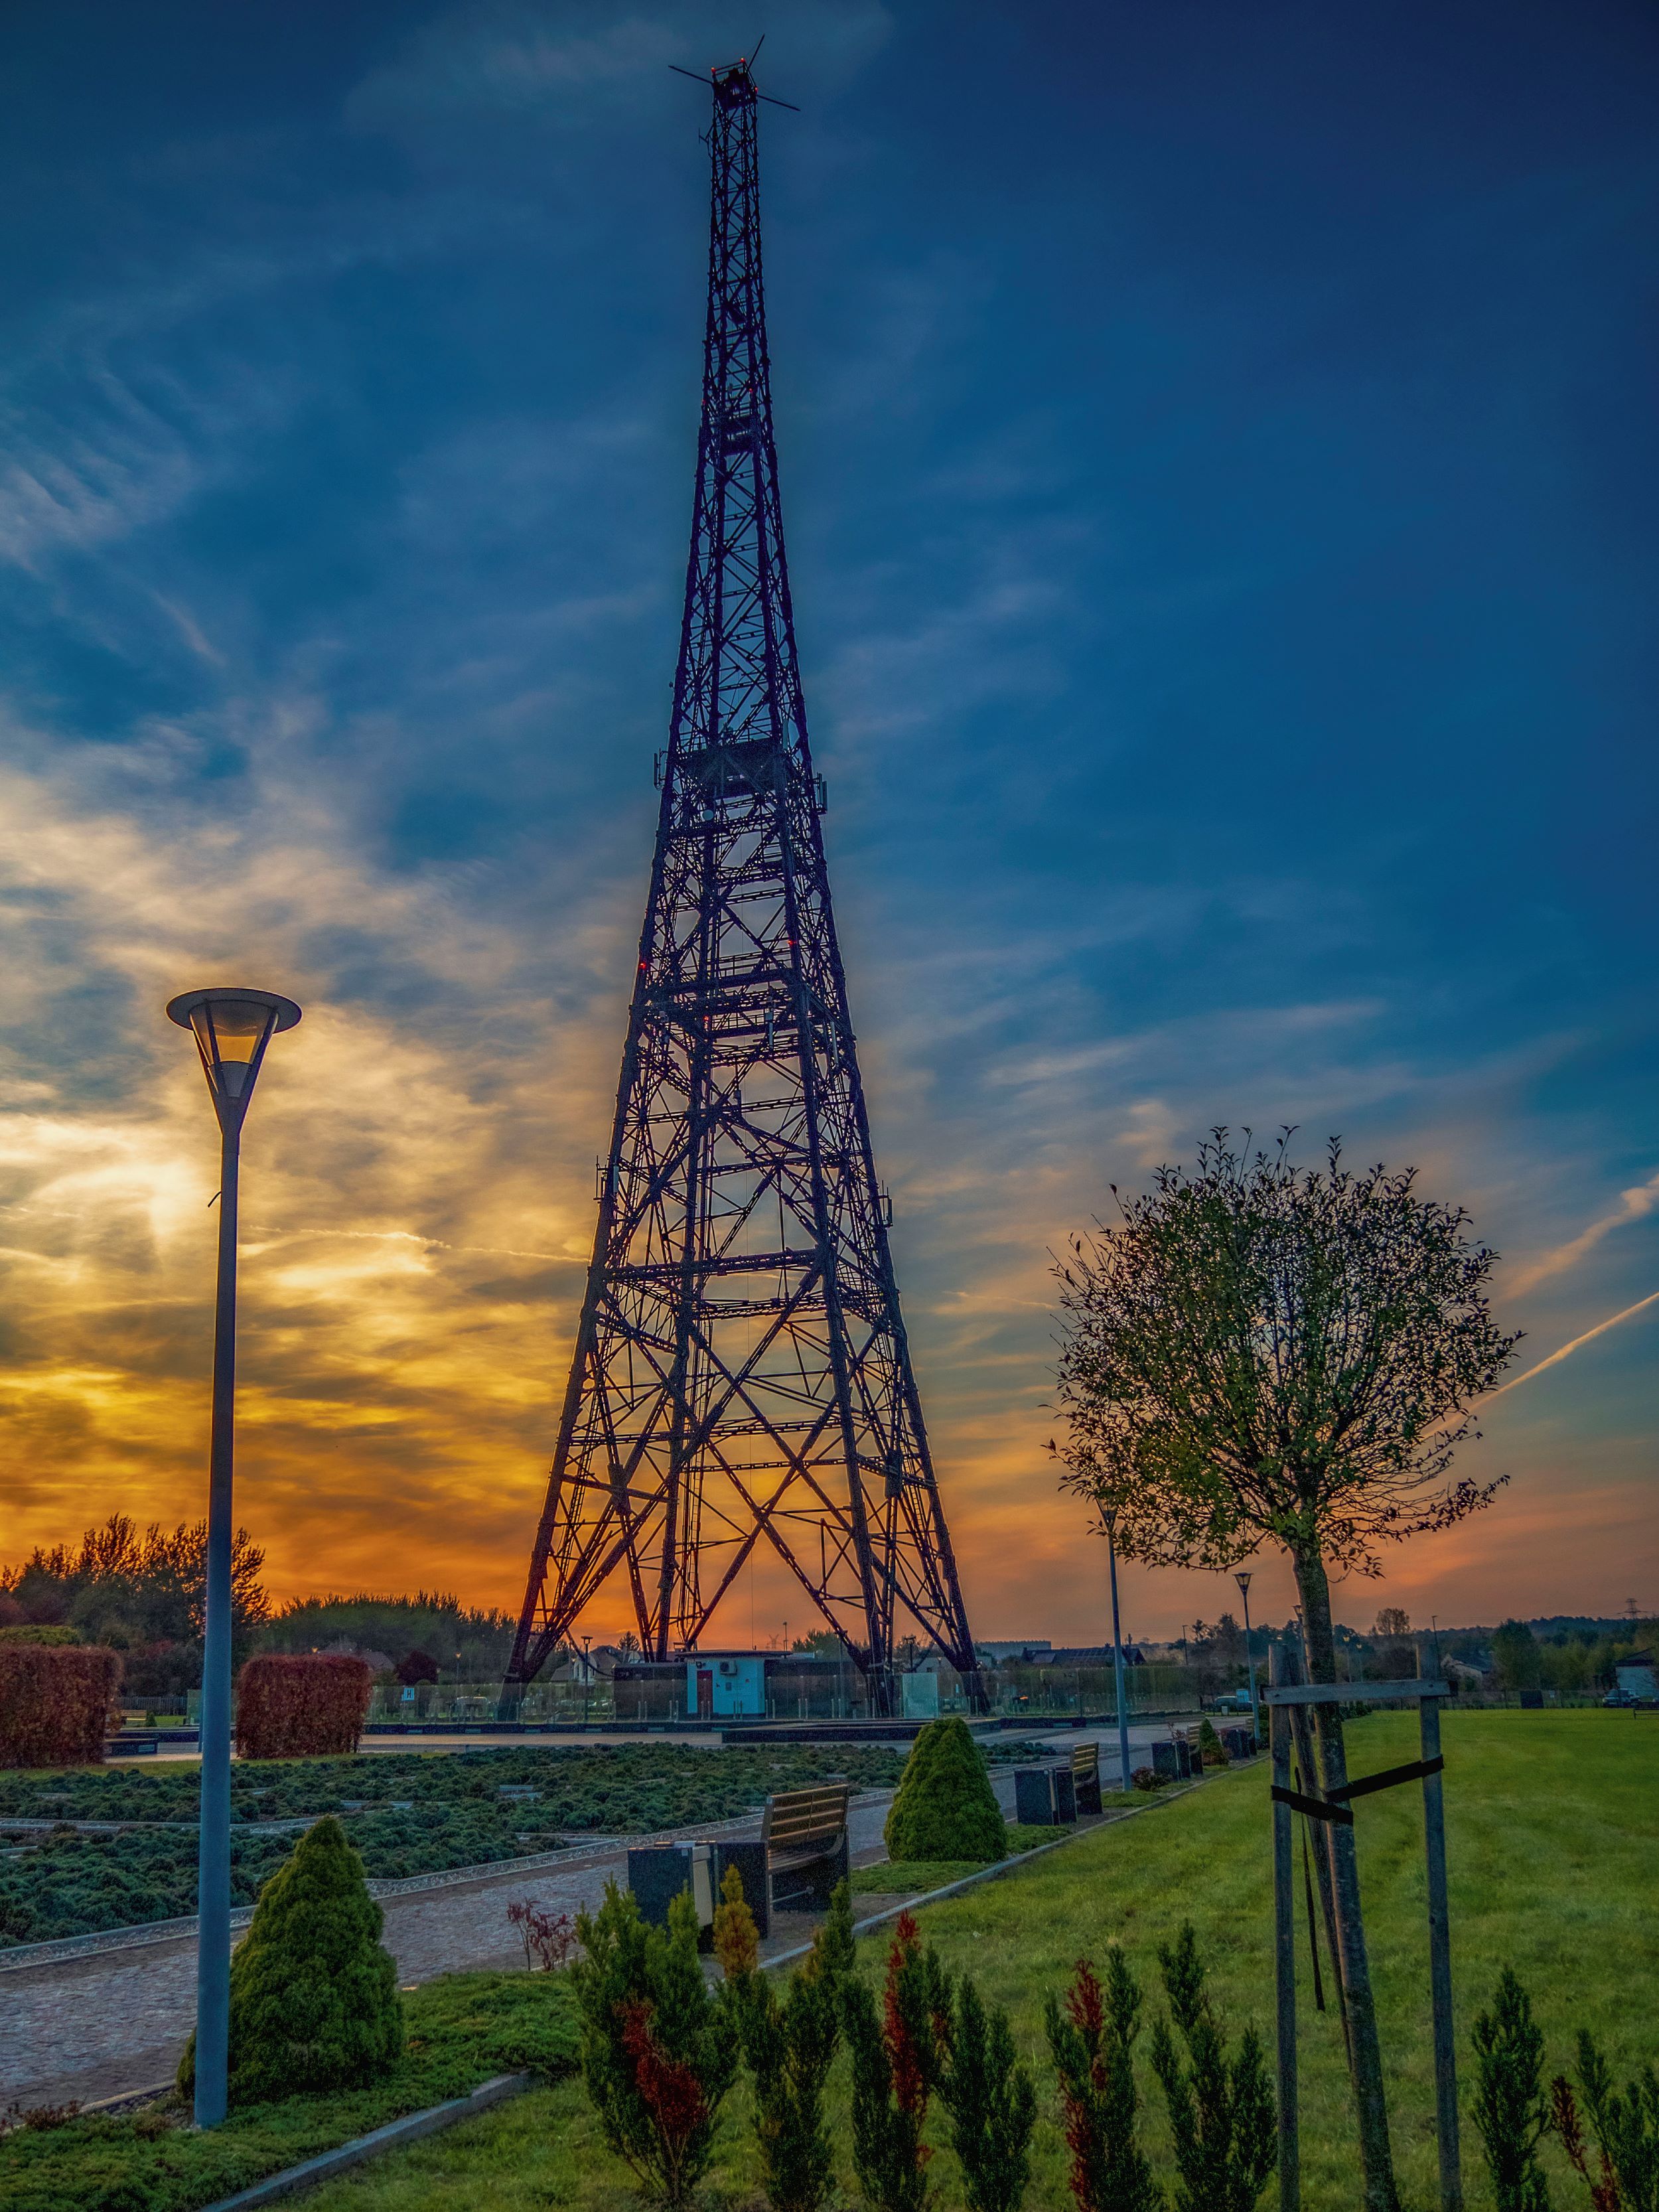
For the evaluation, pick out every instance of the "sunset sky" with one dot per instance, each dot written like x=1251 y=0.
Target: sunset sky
x=1220 y=463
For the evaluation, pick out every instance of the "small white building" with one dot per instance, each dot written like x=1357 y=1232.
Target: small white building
x=1636 y=1676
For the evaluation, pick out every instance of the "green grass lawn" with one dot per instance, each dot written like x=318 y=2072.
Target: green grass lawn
x=460 y=2030
x=1551 y=1821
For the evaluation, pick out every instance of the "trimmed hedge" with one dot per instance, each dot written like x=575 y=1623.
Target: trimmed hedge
x=310 y=1706
x=55 y=1704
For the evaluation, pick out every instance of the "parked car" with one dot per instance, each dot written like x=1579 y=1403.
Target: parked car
x=1620 y=1698
x=1233 y=1701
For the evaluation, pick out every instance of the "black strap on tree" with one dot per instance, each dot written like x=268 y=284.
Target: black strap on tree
x=1316 y=1807
x=1418 y=1771
x=1334 y=1808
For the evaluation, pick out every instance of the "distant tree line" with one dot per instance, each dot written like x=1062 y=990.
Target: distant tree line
x=141 y=1592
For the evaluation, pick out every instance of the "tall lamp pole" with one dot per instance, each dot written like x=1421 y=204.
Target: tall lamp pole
x=1108 y=1516
x=232 y=1027
x=1243 y=1581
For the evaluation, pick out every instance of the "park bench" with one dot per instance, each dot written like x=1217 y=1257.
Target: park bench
x=800 y=1856
x=1085 y=1778
x=803 y=1836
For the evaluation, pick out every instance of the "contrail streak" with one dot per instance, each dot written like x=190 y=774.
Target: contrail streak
x=1601 y=1328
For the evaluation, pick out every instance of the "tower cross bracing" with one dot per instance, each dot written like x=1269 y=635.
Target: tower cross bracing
x=741 y=1374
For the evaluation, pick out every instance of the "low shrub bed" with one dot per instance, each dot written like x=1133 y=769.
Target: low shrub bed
x=461 y=2030
x=419 y=1813
x=69 y=1884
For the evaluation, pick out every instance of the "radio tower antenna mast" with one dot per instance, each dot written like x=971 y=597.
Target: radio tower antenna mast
x=741 y=1373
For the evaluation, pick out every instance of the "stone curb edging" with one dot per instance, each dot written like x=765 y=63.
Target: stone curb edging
x=396 y=2133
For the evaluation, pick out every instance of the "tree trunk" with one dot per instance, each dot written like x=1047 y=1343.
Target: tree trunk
x=1365 y=2053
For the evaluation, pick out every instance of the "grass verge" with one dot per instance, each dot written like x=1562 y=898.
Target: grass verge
x=1551 y=1821
x=462 y=2030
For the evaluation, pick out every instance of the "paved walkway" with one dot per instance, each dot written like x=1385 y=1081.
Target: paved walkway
x=106 y=2022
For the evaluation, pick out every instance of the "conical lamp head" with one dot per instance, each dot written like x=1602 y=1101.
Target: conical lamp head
x=232 y=1026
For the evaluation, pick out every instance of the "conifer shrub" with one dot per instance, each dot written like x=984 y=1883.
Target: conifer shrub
x=895 y=2052
x=1626 y=2126
x=988 y=2091
x=659 y=2053
x=1222 y=2119
x=789 y=2046
x=945 y=1808
x=295 y=1706
x=313 y=1995
x=1511 y=2110
x=1092 y=2037
x=55 y=1702
x=1210 y=1750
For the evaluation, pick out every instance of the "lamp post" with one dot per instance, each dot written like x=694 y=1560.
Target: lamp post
x=587 y=1679
x=1243 y=1581
x=232 y=1027
x=1109 y=1517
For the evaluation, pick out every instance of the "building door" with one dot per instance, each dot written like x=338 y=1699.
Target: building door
x=705 y=1693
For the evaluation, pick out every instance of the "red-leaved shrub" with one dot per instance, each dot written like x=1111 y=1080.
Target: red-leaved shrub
x=55 y=1704
x=301 y=1706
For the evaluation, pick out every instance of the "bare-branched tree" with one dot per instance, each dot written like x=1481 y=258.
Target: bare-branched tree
x=1259 y=1353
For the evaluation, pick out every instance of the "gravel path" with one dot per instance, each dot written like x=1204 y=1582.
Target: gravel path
x=103 y=2024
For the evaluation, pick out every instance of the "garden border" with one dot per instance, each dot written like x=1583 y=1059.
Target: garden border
x=391 y=2137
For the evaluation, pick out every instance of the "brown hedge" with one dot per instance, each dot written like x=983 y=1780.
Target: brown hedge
x=55 y=1704
x=301 y=1706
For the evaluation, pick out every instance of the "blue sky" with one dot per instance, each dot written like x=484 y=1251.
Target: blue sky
x=1219 y=457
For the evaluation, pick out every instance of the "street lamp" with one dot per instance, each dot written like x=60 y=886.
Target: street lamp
x=587 y=1677
x=1109 y=1518
x=1243 y=1581
x=232 y=1029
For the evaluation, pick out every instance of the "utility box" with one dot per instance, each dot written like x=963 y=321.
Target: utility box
x=1044 y=1796
x=726 y=1685
x=658 y=1872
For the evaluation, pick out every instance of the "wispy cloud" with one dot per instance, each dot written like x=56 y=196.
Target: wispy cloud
x=1634 y=1205
x=1567 y=1349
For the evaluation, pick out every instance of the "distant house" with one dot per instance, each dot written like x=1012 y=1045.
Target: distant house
x=1021 y=1651
x=1090 y=1655
x=1636 y=1676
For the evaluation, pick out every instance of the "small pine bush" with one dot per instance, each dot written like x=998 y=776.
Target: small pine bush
x=1221 y=2110
x=659 y=2053
x=790 y=2045
x=313 y=1995
x=945 y=1808
x=897 y=2053
x=988 y=2093
x=1626 y=2127
x=1092 y=2037
x=1509 y=2107
x=1210 y=1750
